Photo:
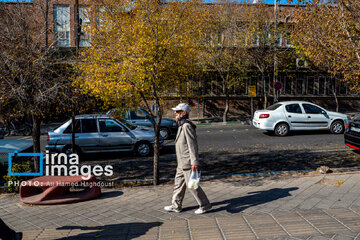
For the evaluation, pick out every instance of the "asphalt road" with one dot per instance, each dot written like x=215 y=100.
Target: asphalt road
x=236 y=148
x=245 y=138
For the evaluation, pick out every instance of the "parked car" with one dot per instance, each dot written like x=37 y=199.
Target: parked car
x=101 y=133
x=283 y=117
x=141 y=117
x=2 y=133
x=352 y=133
x=11 y=145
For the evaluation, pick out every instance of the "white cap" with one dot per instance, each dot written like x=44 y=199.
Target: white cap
x=182 y=107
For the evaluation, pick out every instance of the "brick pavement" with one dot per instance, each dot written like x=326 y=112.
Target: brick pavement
x=307 y=207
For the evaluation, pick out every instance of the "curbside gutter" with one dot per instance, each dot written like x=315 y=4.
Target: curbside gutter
x=243 y=122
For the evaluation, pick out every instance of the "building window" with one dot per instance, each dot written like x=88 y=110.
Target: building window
x=278 y=40
x=310 y=86
x=84 y=20
x=62 y=25
x=288 y=42
x=299 y=87
x=322 y=83
x=255 y=40
x=99 y=16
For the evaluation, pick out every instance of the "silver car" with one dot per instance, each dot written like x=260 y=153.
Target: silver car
x=283 y=117
x=101 y=133
x=140 y=117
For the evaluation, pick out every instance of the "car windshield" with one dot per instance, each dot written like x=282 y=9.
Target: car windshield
x=274 y=107
x=129 y=125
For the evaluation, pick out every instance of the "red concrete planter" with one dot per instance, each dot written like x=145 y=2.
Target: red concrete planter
x=56 y=190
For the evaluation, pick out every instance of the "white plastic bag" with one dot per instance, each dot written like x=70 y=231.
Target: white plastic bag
x=194 y=180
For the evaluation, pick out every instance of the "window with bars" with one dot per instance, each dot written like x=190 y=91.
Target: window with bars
x=84 y=19
x=62 y=25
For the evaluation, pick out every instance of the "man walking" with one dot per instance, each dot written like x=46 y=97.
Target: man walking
x=187 y=159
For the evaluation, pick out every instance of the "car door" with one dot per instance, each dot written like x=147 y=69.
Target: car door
x=88 y=139
x=295 y=116
x=316 y=116
x=114 y=137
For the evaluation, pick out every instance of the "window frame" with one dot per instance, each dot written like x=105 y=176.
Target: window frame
x=294 y=104
x=303 y=105
x=63 y=25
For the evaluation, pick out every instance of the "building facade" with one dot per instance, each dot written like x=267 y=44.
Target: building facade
x=300 y=81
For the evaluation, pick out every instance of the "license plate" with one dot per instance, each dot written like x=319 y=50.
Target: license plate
x=355 y=129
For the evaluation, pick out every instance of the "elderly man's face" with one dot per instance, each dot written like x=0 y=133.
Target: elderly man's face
x=179 y=114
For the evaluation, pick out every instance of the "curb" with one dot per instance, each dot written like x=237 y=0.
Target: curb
x=246 y=122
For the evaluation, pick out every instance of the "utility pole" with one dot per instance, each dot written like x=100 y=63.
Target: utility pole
x=275 y=47
x=77 y=25
x=46 y=24
x=78 y=29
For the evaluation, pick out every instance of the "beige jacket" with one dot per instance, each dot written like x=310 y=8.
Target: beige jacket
x=186 y=147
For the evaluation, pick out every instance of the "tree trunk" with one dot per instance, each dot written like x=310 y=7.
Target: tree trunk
x=157 y=144
x=36 y=140
x=73 y=121
x=264 y=90
x=227 y=105
x=156 y=157
x=336 y=100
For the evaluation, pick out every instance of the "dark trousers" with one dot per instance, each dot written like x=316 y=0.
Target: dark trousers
x=6 y=233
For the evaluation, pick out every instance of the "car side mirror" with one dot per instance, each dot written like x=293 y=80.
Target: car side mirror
x=323 y=112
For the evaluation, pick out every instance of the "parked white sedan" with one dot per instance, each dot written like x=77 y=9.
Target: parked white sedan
x=283 y=117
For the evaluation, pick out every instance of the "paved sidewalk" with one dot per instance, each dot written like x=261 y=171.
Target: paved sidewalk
x=306 y=207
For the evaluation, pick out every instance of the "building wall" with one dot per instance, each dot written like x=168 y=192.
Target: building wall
x=297 y=84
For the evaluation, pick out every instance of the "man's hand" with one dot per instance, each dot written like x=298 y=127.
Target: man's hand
x=194 y=167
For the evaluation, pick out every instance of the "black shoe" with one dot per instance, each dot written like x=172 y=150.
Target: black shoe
x=18 y=236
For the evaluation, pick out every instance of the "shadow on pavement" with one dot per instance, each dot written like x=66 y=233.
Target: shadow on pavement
x=239 y=204
x=256 y=160
x=225 y=162
x=112 y=194
x=295 y=133
x=113 y=231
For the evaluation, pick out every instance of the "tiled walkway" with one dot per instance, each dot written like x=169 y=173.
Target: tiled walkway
x=311 y=207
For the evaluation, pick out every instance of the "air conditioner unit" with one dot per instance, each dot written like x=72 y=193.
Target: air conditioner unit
x=301 y=63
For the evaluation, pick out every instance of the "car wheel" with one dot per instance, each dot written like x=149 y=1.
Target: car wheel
x=68 y=150
x=164 y=133
x=27 y=131
x=337 y=127
x=7 y=132
x=143 y=149
x=282 y=129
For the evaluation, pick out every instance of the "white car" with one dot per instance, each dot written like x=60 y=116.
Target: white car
x=283 y=117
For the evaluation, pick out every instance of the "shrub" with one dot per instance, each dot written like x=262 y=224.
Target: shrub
x=16 y=167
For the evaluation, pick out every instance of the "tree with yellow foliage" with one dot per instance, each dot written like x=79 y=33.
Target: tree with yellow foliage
x=139 y=51
x=224 y=51
x=327 y=33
